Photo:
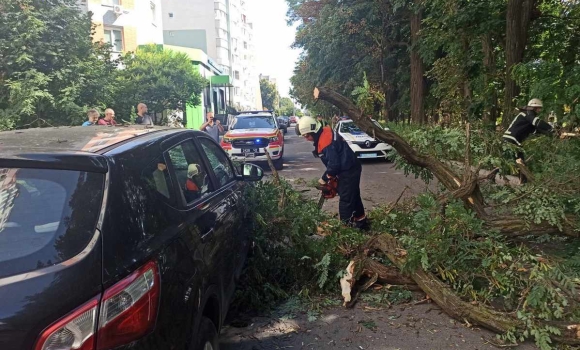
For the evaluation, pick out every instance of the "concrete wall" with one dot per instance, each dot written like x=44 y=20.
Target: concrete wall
x=193 y=38
x=191 y=15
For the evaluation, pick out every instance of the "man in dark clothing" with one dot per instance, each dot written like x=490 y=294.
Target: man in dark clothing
x=142 y=117
x=524 y=124
x=342 y=165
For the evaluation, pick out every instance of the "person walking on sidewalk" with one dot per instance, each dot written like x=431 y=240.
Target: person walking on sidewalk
x=342 y=166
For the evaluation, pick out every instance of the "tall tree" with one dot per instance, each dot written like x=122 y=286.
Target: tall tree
x=518 y=17
x=417 y=67
x=163 y=79
x=50 y=69
x=270 y=96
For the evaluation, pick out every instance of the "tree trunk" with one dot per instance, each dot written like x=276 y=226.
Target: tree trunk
x=453 y=305
x=518 y=18
x=417 y=70
x=490 y=112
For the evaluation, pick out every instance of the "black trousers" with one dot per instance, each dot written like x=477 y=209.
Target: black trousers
x=350 y=204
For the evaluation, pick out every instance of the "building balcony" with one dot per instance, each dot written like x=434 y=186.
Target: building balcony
x=222 y=43
x=221 y=24
x=220 y=5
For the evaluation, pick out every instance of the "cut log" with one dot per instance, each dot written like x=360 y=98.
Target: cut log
x=459 y=309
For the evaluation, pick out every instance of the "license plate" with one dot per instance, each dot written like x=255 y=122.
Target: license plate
x=367 y=155
x=250 y=150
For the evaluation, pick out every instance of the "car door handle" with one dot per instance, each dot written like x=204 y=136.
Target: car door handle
x=206 y=236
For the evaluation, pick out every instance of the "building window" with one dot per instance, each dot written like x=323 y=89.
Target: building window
x=170 y=14
x=245 y=44
x=114 y=37
x=237 y=75
x=237 y=91
x=111 y=2
x=153 y=12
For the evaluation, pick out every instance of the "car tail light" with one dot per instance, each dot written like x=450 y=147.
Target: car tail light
x=129 y=308
x=74 y=331
x=126 y=312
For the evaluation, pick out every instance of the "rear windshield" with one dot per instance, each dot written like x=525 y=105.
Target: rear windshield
x=258 y=122
x=46 y=216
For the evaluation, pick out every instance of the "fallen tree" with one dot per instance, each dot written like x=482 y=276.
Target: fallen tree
x=453 y=305
x=521 y=322
x=465 y=187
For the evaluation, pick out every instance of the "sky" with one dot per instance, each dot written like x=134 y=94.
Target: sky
x=272 y=39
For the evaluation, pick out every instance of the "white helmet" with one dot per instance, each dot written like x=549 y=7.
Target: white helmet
x=535 y=103
x=192 y=170
x=307 y=125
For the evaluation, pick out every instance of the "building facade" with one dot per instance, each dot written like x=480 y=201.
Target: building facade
x=221 y=28
x=126 y=24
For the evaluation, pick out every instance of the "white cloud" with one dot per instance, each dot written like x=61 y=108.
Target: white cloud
x=272 y=39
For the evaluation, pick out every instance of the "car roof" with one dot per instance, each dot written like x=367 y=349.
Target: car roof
x=92 y=139
x=263 y=114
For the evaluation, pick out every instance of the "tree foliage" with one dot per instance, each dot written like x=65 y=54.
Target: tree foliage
x=270 y=95
x=464 y=47
x=163 y=79
x=50 y=69
x=286 y=106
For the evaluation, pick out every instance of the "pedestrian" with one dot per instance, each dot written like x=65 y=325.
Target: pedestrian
x=212 y=127
x=109 y=118
x=92 y=117
x=342 y=166
x=524 y=124
x=142 y=117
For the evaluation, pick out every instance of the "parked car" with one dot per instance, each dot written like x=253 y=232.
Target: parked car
x=283 y=123
x=251 y=134
x=363 y=145
x=294 y=119
x=125 y=238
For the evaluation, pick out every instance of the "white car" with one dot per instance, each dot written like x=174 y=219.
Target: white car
x=363 y=145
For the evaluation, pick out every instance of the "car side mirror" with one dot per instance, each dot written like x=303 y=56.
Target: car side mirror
x=251 y=172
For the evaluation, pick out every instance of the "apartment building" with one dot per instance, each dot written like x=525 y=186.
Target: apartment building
x=126 y=24
x=221 y=29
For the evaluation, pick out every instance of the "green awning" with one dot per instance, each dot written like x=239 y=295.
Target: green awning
x=220 y=80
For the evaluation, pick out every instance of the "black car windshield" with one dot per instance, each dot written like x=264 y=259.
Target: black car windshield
x=350 y=128
x=46 y=216
x=254 y=122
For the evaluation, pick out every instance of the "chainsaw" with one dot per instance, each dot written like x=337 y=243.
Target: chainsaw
x=328 y=190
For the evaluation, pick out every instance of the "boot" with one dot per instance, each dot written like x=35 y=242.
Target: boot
x=362 y=225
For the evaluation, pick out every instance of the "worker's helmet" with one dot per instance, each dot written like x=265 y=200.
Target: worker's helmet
x=307 y=125
x=192 y=170
x=535 y=103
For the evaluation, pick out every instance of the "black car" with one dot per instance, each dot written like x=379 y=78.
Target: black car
x=283 y=123
x=128 y=238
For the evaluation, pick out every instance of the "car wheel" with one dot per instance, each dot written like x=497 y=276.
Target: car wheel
x=207 y=335
x=278 y=164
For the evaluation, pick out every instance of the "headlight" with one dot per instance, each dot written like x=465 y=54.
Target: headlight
x=274 y=139
x=226 y=140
